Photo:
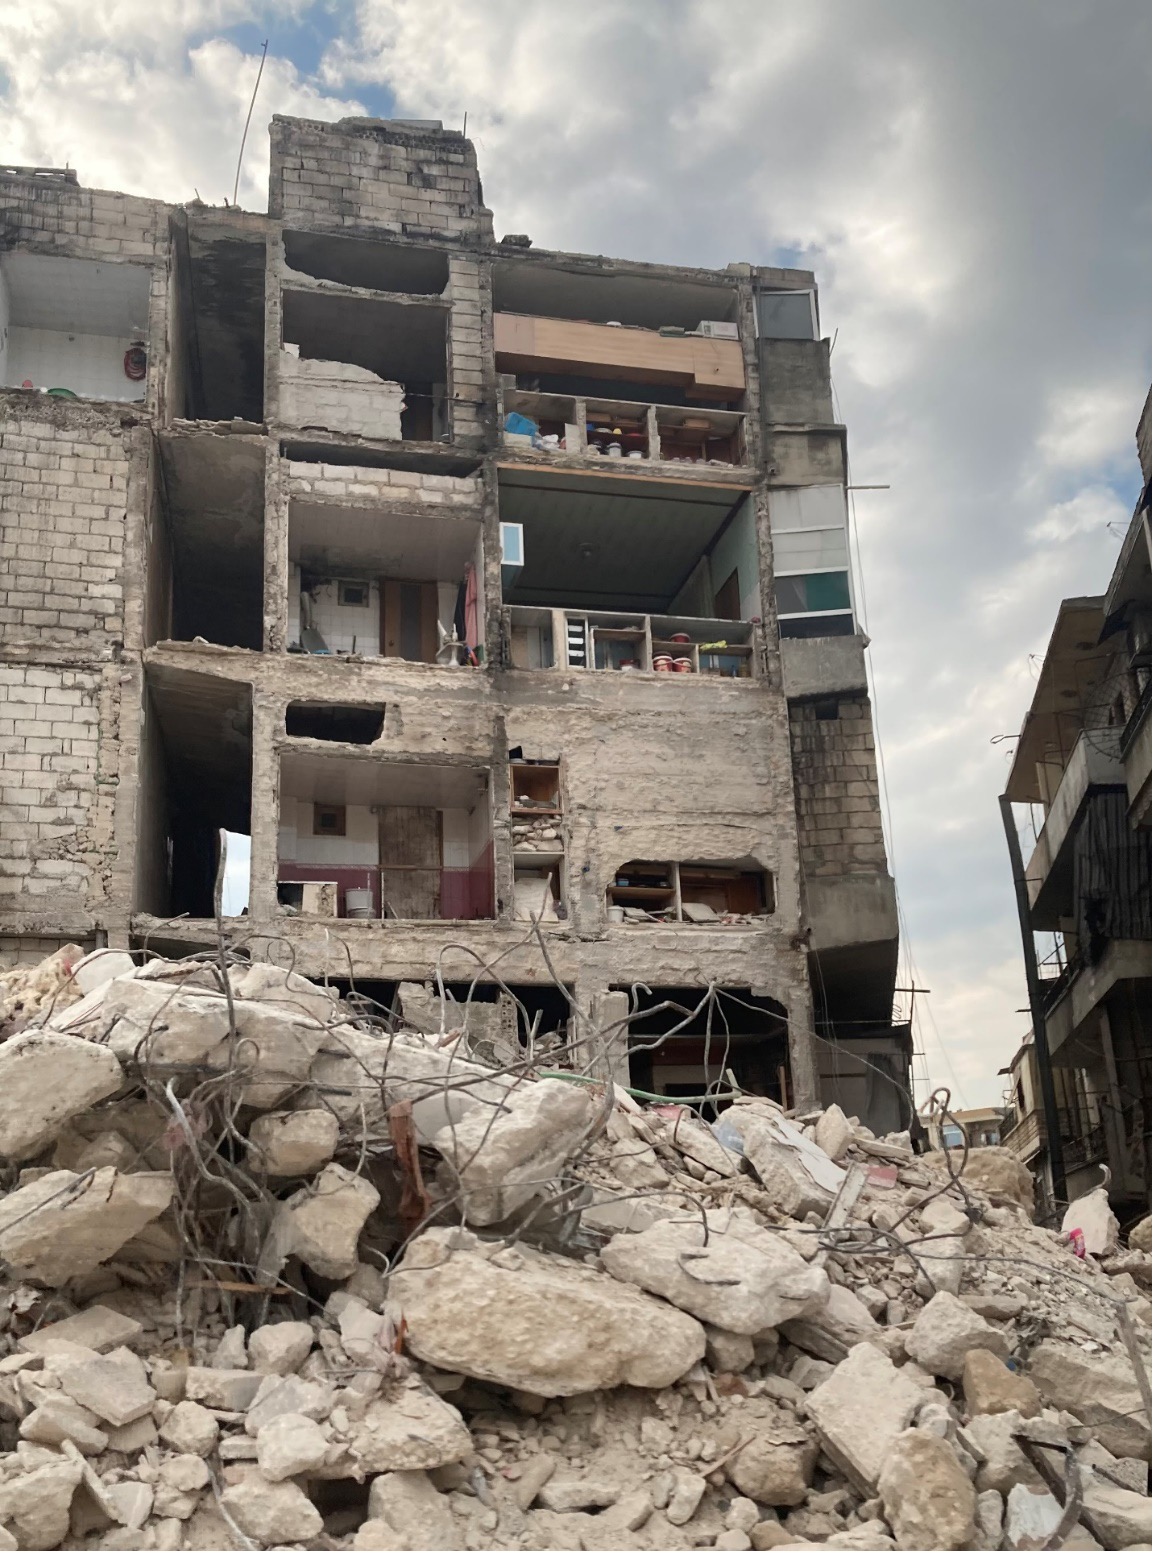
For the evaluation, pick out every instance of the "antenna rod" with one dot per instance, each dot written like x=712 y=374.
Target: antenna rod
x=248 y=120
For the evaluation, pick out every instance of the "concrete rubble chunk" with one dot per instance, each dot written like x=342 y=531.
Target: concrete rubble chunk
x=46 y=1079
x=280 y=1348
x=276 y=985
x=535 y=1473
x=945 y=1332
x=191 y=1428
x=405 y=1427
x=96 y=1328
x=184 y=1472
x=685 y=1498
x=1032 y=1515
x=60 y=1419
x=784 y=1173
x=1003 y=1462
x=271 y=1511
x=744 y=1282
x=500 y=1159
x=833 y=1133
x=1139 y=1236
x=323 y=1222
x=36 y=1506
x=65 y=1224
x=130 y=1502
x=860 y=1410
x=1092 y=1216
x=408 y=1503
x=728 y=1352
x=231 y=1354
x=221 y=1389
x=290 y=1445
x=833 y=1329
x=928 y=1498
x=777 y=1467
x=994 y=1169
x=1122 y=1514
x=991 y=1388
x=578 y=1495
x=160 y=1025
x=115 y=1387
x=292 y=1144
x=988 y=1520
x=530 y=1320
x=1100 y=1390
x=287 y=1396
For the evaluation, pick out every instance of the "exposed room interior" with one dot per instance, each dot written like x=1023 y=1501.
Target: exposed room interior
x=707 y=893
x=206 y=541
x=683 y=1044
x=393 y=344
x=385 y=584
x=194 y=782
x=564 y=330
x=641 y=572
x=361 y=838
x=74 y=328
x=368 y=263
x=217 y=316
x=537 y=826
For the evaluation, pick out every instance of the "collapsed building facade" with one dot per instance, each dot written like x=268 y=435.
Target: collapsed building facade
x=500 y=597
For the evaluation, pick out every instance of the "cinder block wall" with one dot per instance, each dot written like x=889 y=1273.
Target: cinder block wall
x=363 y=173
x=836 y=789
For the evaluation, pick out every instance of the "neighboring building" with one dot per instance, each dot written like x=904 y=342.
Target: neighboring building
x=1080 y=1124
x=475 y=585
x=1083 y=766
x=975 y=1127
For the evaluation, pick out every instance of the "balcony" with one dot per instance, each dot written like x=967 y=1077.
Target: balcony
x=628 y=643
x=554 y=426
x=1135 y=748
x=1094 y=764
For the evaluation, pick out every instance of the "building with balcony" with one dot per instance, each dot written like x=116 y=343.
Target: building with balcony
x=494 y=603
x=1081 y=1124
x=1080 y=784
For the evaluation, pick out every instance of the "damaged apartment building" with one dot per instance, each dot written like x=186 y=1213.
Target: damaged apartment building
x=499 y=597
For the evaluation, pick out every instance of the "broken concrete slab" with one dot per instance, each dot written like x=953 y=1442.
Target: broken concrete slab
x=744 y=1283
x=267 y=984
x=287 y=1396
x=191 y=1428
x=152 y=1022
x=1100 y=1390
x=1123 y=1515
x=115 y=1387
x=834 y=1328
x=945 y=1332
x=785 y=1171
x=994 y=1169
x=66 y=1224
x=321 y=1223
x=928 y=1498
x=292 y=1144
x=218 y=1388
x=860 y=1410
x=535 y=1321
x=60 y=1419
x=1004 y=1463
x=45 y=1079
x=499 y=1159
x=36 y=1506
x=96 y=1328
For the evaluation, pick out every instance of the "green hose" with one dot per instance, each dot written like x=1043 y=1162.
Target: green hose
x=670 y=1101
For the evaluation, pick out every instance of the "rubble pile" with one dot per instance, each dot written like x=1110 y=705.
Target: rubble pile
x=278 y=1274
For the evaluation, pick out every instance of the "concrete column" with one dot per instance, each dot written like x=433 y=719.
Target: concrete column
x=268 y=715
x=803 y=1047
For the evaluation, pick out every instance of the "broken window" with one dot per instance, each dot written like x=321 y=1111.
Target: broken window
x=385 y=585
x=414 y=840
x=364 y=365
x=368 y=263
x=74 y=328
x=692 y=1042
x=710 y=894
x=195 y=782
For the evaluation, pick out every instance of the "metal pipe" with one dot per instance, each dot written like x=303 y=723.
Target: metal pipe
x=1035 y=1001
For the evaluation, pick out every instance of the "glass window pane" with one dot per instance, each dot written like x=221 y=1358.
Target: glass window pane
x=812 y=591
x=786 y=316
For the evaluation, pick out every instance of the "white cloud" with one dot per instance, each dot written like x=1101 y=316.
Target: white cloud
x=970 y=183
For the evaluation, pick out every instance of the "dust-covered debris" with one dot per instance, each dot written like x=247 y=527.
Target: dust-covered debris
x=281 y=1269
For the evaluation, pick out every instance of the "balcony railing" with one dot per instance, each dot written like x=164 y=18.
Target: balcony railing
x=1094 y=763
x=543 y=638
x=625 y=430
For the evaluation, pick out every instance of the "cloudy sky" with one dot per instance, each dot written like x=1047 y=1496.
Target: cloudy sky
x=969 y=179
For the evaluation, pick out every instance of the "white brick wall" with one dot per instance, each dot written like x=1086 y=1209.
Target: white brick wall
x=404 y=487
x=63 y=490
x=50 y=837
